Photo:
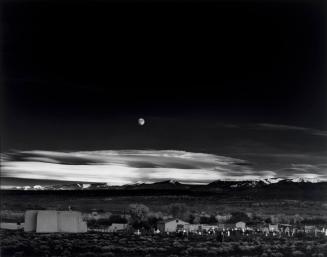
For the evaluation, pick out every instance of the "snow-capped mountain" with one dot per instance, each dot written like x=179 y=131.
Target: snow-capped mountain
x=257 y=190
x=173 y=184
x=38 y=187
x=306 y=180
x=271 y=180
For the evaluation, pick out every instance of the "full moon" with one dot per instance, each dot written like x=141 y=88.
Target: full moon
x=141 y=121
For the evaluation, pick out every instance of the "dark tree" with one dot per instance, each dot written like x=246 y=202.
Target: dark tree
x=239 y=216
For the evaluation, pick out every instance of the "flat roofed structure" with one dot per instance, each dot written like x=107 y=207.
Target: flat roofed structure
x=54 y=221
x=11 y=225
x=171 y=225
x=117 y=227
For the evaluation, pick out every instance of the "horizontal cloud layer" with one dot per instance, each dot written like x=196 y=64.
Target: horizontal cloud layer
x=126 y=166
x=311 y=131
x=129 y=166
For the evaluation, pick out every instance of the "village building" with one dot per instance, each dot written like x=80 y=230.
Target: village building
x=208 y=228
x=240 y=225
x=54 y=221
x=273 y=228
x=286 y=228
x=309 y=229
x=226 y=226
x=171 y=225
x=265 y=230
x=192 y=228
x=11 y=225
x=115 y=227
x=223 y=218
x=47 y=222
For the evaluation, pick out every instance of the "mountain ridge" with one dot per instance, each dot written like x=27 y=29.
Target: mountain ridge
x=173 y=184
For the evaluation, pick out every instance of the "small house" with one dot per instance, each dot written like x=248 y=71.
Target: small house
x=286 y=228
x=273 y=228
x=240 y=225
x=208 y=228
x=223 y=218
x=115 y=227
x=192 y=228
x=171 y=225
x=309 y=229
x=11 y=225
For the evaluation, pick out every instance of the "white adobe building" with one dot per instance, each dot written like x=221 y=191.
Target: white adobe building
x=117 y=227
x=192 y=227
x=11 y=225
x=273 y=228
x=240 y=225
x=171 y=225
x=54 y=221
x=223 y=218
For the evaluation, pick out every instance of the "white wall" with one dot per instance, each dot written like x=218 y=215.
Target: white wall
x=116 y=227
x=54 y=221
x=47 y=222
x=30 y=221
x=68 y=222
x=171 y=226
x=11 y=225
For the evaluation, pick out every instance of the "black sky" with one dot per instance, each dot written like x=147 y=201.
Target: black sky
x=79 y=74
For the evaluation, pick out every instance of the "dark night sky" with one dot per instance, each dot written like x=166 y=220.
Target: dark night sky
x=77 y=75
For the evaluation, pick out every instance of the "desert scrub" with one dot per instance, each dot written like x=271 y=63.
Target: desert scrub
x=16 y=243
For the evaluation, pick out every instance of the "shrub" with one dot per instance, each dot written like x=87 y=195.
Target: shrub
x=208 y=220
x=87 y=254
x=107 y=254
x=278 y=254
x=19 y=254
x=297 y=253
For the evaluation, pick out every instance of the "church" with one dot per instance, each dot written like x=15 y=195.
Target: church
x=51 y=221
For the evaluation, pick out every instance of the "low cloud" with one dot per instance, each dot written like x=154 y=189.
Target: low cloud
x=305 y=170
x=315 y=132
x=125 y=166
x=118 y=167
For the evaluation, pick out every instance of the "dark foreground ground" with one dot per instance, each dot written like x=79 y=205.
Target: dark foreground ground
x=17 y=202
x=18 y=243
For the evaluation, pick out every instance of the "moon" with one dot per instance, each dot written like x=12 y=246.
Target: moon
x=141 y=121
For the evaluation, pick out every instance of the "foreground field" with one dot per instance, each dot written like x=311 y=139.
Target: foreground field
x=18 y=202
x=18 y=243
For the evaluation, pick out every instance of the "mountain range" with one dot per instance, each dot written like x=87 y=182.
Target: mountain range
x=271 y=188
x=173 y=184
